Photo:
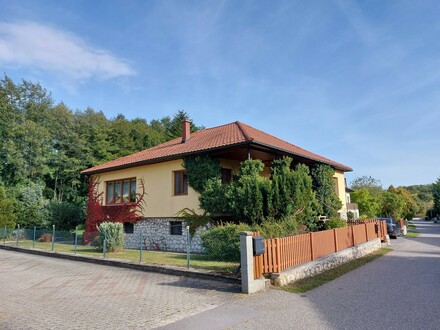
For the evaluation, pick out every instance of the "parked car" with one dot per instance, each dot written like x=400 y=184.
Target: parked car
x=393 y=229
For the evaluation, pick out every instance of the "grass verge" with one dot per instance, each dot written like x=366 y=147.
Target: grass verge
x=310 y=283
x=412 y=233
x=148 y=257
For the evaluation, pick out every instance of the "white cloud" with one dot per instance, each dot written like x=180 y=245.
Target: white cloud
x=37 y=46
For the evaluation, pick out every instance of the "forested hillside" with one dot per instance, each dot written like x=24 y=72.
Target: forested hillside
x=45 y=146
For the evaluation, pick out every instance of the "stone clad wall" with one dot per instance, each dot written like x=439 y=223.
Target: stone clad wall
x=156 y=235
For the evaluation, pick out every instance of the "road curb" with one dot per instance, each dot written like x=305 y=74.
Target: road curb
x=130 y=265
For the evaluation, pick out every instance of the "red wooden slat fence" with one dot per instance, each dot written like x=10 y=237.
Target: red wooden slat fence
x=283 y=253
x=401 y=223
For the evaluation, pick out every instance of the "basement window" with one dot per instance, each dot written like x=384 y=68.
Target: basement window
x=176 y=227
x=128 y=227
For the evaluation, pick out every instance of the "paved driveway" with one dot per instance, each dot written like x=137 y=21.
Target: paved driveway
x=46 y=293
x=398 y=291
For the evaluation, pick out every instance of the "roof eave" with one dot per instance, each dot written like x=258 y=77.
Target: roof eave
x=180 y=155
x=160 y=159
x=337 y=166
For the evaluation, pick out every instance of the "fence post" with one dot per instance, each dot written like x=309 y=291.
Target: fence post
x=76 y=238
x=4 y=238
x=336 y=240
x=278 y=255
x=352 y=235
x=248 y=283
x=366 y=232
x=53 y=237
x=18 y=234
x=188 y=247
x=312 y=252
x=33 y=241
x=104 y=248
x=140 y=247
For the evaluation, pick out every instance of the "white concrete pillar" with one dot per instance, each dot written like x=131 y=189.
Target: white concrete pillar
x=248 y=283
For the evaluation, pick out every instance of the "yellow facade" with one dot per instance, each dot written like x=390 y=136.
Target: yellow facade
x=160 y=201
x=340 y=179
x=159 y=187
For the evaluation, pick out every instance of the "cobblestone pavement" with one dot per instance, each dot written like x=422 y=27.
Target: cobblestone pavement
x=46 y=293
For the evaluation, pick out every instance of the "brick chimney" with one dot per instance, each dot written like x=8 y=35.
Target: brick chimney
x=186 y=132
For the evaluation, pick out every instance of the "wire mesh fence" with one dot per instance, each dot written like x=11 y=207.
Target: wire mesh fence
x=64 y=241
x=42 y=238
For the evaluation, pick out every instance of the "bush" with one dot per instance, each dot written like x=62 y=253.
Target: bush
x=45 y=238
x=275 y=229
x=114 y=232
x=65 y=215
x=223 y=242
x=335 y=223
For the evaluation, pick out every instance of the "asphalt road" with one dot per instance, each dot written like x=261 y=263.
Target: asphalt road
x=400 y=290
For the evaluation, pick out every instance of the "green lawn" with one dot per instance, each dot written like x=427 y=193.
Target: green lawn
x=148 y=257
x=310 y=283
x=412 y=232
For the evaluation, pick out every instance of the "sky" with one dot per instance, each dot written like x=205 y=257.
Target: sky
x=355 y=81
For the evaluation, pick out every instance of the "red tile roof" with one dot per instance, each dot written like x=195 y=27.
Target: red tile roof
x=211 y=138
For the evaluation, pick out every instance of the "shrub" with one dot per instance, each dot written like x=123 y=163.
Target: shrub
x=194 y=220
x=114 y=233
x=223 y=242
x=65 y=215
x=324 y=187
x=335 y=223
x=274 y=229
x=45 y=238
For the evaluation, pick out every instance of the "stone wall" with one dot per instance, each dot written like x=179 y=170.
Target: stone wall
x=318 y=266
x=156 y=235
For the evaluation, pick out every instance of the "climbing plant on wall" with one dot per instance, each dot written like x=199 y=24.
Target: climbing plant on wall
x=97 y=213
x=200 y=169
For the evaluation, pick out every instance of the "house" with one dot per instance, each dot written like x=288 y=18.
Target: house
x=166 y=185
x=351 y=207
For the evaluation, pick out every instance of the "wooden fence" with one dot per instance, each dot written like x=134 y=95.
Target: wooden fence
x=283 y=253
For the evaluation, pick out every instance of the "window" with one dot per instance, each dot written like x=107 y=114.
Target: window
x=128 y=227
x=121 y=191
x=335 y=184
x=176 y=227
x=180 y=183
x=226 y=175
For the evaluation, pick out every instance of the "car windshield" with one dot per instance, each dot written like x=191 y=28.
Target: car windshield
x=388 y=220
